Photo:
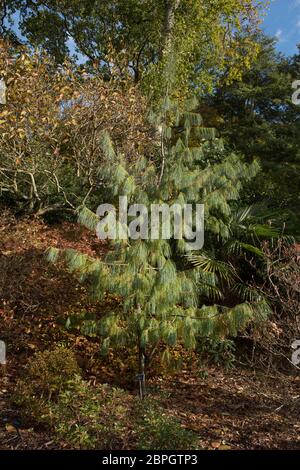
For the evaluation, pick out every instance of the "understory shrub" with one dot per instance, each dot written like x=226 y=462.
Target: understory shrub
x=279 y=281
x=46 y=375
x=109 y=418
x=158 y=431
x=50 y=372
x=218 y=351
x=84 y=416
x=87 y=417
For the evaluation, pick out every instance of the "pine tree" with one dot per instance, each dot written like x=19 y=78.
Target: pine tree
x=167 y=299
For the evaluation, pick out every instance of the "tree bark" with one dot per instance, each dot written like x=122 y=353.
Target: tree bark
x=142 y=379
x=141 y=358
x=169 y=21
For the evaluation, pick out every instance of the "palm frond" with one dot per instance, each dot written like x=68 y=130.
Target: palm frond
x=247 y=293
x=209 y=265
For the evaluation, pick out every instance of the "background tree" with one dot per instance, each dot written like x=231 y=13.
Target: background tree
x=136 y=35
x=257 y=117
x=51 y=126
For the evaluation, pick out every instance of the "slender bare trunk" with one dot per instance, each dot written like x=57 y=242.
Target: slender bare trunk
x=141 y=359
x=169 y=21
x=142 y=379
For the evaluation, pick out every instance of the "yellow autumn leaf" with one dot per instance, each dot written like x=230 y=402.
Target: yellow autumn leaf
x=10 y=428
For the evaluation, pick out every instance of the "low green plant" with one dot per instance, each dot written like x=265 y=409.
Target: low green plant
x=46 y=375
x=88 y=417
x=219 y=352
x=83 y=416
x=159 y=431
x=51 y=371
x=103 y=417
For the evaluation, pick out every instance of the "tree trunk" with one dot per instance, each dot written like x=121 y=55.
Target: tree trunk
x=169 y=21
x=142 y=380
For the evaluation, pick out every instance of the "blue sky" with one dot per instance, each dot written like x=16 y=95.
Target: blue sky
x=283 y=21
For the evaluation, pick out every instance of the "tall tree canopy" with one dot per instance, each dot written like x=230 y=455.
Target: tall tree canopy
x=137 y=34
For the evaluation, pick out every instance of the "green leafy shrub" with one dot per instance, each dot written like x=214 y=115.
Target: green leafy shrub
x=102 y=417
x=88 y=417
x=158 y=431
x=46 y=375
x=51 y=371
x=220 y=352
x=83 y=416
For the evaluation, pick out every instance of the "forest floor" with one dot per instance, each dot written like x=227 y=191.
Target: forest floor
x=240 y=408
